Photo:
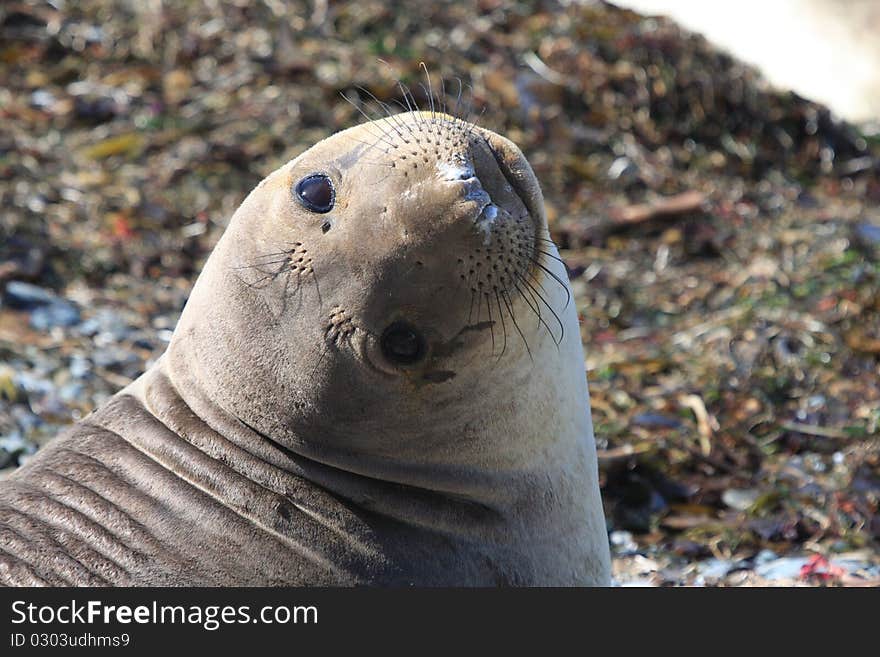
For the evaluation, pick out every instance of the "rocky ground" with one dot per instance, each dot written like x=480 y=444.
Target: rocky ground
x=722 y=239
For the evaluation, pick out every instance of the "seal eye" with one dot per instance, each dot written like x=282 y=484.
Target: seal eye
x=316 y=193
x=402 y=345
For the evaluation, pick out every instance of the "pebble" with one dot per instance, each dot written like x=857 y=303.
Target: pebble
x=47 y=310
x=72 y=392
x=113 y=357
x=24 y=296
x=14 y=443
x=784 y=568
x=42 y=99
x=60 y=313
x=868 y=234
x=714 y=569
x=80 y=367
x=657 y=421
x=765 y=556
x=740 y=499
x=24 y=418
x=108 y=324
x=623 y=169
x=623 y=542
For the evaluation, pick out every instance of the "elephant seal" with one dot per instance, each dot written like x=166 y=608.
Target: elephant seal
x=378 y=379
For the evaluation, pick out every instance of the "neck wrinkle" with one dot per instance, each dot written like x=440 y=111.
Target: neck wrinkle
x=269 y=461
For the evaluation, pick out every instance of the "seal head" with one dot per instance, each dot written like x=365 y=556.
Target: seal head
x=389 y=305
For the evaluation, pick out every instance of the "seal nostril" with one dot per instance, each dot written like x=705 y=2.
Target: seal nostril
x=325 y=226
x=402 y=344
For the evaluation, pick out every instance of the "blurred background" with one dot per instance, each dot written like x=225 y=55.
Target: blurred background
x=719 y=220
x=827 y=50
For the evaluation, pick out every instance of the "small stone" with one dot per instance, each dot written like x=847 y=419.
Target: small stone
x=623 y=542
x=656 y=421
x=47 y=309
x=24 y=418
x=622 y=168
x=42 y=99
x=8 y=386
x=176 y=86
x=714 y=569
x=59 y=313
x=14 y=443
x=79 y=368
x=868 y=236
x=740 y=499
x=95 y=110
x=784 y=568
x=765 y=556
x=112 y=357
x=72 y=392
x=24 y=296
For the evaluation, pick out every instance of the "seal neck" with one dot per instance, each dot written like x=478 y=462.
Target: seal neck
x=174 y=398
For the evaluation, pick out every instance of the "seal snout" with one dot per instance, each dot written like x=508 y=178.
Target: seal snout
x=485 y=210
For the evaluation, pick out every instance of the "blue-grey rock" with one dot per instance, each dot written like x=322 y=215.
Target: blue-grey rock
x=24 y=418
x=112 y=356
x=46 y=308
x=24 y=296
x=59 y=313
x=657 y=421
x=714 y=569
x=765 y=556
x=71 y=392
x=108 y=324
x=80 y=368
x=784 y=568
x=868 y=234
x=14 y=443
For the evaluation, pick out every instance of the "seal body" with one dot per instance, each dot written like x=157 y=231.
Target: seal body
x=378 y=379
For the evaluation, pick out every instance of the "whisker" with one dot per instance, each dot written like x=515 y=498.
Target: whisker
x=370 y=122
x=491 y=321
x=260 y=264
x=407 y=94
x=475 y=123
x=429 y=90
x=503 y=327
x=443 y=97
x=395 y=121
x=317 y=287
x=553 y=312
x=507 y=302
x=375 y=144
x=550 y=255
x=256 y=284
x=536 y=308
x=458 y=99
x=557 y=279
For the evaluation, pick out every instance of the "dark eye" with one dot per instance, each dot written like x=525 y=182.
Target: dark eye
x=316 y=193
x=401 y=344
